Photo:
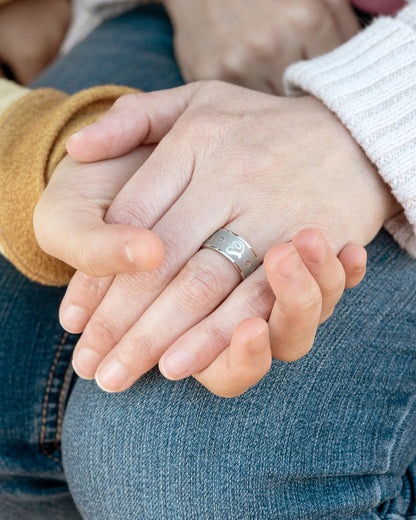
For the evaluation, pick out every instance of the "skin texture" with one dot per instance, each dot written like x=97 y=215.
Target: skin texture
x=31 y=33
x=79 y=216
x=203 y=175
x=251 y=43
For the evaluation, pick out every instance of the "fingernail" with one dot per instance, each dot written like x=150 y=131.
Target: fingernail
x=178 y=364
x=138 y=254
x=74 y=319
x=86 y=362
x=289 y=265
x=361 y=267
x=112 y=376
x=73 y=137
x=76 y=134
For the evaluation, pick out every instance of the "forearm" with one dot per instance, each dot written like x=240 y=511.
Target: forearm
x=370 y=83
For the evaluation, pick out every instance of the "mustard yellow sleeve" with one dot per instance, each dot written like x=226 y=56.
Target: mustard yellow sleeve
x=33 y=132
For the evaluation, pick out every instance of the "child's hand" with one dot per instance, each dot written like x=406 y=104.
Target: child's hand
x=294 y=271
x=252 y=42
x=69 y=218
x=31 y=33
x=69 y=222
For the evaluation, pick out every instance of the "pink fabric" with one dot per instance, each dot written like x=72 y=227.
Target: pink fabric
x=379 y=6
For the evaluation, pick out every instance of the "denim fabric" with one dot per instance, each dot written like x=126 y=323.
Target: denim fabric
x=35 y=378
x=134 y=49
x=35 y=370
x=329 y=437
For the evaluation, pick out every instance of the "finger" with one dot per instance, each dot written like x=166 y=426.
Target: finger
x=99 y=249
x=134 y=119
x=296 y=313
x=89 y=291
x=199 y=287
x=131 y=295
x=353 y=259
x=324 y=266
x=140 y=204
x=77 y=234
x=204 y=342
x=293 y=320
x=203 y=283
x=345 y=18
x=241 y=365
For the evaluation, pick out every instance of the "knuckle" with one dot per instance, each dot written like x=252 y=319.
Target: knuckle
x=102 y=331
x=208 y=71
x=234 y=63
x=303 y=302
x=219 y=338
x=147 y=283
x=261 y=299
x=139 y=353
x=124 y=102
x=92 y=286
x=335 y=289
x=197 y=288
x=87 y=260
x=264 y=46
x=131 y=213
x=304 y=15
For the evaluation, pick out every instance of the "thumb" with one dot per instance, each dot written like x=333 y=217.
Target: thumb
x=96 y=248
x=134 y=119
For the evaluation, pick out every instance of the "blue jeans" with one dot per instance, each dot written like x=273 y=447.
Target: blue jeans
x=329 y=437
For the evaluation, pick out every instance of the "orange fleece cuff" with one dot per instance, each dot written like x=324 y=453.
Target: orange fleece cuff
x=33 y=134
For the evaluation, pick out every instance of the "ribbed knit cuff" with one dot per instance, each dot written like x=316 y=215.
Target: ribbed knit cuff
x=370 y=84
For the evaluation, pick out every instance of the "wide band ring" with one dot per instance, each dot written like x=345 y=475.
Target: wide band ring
x=235 y=249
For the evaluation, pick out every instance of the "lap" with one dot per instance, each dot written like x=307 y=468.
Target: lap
x=35 y=379
x=330 y=436
x=134 y=49
x=35 y=353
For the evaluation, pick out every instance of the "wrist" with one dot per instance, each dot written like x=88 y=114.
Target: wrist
x=369 y=192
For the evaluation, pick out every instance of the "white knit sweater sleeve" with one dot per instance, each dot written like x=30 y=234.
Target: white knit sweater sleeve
x=370 y=83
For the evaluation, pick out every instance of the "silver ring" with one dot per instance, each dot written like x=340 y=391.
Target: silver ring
x=236 y=249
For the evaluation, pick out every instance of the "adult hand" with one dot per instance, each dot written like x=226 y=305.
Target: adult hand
x=74 y=218
x=228 y=157
x=252 y=43
x=31 y=33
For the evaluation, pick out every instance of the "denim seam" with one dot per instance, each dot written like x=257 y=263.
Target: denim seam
x=46 y=399
x=61 y=406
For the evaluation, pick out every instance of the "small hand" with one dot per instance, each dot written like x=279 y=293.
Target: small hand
x=251 y=43
x=307 y=280
x=69 y=219
x=31 y=33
